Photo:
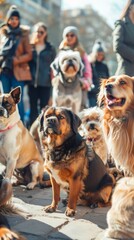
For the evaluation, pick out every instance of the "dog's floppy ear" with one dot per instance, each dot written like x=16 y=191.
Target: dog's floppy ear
x=101 y=97
x=75 y=121
x=81 y=68
x=55 y=67
x=16 y=94
x=41 y=118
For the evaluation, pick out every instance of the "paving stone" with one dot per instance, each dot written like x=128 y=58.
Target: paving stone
x=87 y=224
x=101 y=236
x=80 y=229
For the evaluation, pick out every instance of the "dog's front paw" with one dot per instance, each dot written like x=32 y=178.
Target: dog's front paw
x=69 y=212
x=50 y=209
x=31 y=185
x=7 y=234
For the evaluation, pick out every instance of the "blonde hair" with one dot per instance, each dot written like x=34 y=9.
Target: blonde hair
x=77 y=47
x=34 y=39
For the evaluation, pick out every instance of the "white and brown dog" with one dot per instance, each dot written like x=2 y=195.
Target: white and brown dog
x=67 y=69
x=91 y=129
x=17 y=147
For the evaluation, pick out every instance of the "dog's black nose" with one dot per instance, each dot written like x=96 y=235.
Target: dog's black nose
x=109 y=88
x=92 y=125
x=70 y=62
x=51 y=120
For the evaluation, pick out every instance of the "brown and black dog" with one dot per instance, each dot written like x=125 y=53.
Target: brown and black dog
x=71 y=163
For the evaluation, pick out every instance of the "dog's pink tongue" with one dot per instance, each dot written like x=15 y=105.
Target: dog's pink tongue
x=110 y=102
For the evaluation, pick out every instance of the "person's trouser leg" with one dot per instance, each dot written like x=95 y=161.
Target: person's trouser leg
x=33 y=99
x=6 y=82
x=44 y=96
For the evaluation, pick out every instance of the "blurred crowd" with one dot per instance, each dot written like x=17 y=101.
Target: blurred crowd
x=26 y=56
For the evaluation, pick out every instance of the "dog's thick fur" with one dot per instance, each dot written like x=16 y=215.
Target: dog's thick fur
x=71 y=164
x=116 y=98
x=91 y=129
x=17 y=147
x=120 y=217
x=67 y=91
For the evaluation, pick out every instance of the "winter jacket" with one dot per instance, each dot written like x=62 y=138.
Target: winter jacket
x=123 y=46
x=99 y=70
x=40 y=66
x=22 y=55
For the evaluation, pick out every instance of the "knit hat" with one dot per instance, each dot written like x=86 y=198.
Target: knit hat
x=97 y=47
x=13 y=11
x=69 y=29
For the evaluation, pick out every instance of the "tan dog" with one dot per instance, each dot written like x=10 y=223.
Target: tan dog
x=72 y=164
x=120 y=217
x=67 y=91
x=117 y=100
x=91 y=129
x=17 y=147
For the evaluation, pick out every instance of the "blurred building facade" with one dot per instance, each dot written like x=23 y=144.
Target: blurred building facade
x=33 y=11
x=91 y=26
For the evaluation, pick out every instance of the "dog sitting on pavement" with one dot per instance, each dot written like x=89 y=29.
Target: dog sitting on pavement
x=71 y=163
x=67 y=91
x=92 y=131
x=17 y=147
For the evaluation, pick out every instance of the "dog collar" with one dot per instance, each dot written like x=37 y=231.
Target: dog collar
x=8 y=128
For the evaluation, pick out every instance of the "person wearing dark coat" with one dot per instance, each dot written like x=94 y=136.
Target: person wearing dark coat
x=43 y=53
x=99 y=70
x=15 y=53
x=123 y=40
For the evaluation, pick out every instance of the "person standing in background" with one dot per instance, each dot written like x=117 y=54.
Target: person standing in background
x=71 y=41
x=15 y=53
x=123 y=40
x=39 y=88
x=99 y=69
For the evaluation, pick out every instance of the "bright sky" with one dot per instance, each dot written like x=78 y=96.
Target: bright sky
x=109 y=9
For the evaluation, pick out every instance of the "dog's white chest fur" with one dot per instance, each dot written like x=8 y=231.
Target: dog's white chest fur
x=58 y=180
x=8 y=144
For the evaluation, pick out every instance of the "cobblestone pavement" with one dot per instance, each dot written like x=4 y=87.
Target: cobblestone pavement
x=88 y=224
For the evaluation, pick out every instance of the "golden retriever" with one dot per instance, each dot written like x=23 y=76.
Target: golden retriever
x=116 y=98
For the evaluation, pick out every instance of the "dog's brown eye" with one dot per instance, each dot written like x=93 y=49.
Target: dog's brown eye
x=6 y=104
x=122 y=82
x=60 y=117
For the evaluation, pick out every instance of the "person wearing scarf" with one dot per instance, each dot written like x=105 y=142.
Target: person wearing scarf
x=15 y=53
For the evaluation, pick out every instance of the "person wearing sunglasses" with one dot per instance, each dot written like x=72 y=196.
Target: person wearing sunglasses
x=15 y=53
x=39 y=88
x=71 y=41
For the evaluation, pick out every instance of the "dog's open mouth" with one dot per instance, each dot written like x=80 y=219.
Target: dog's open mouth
x=52 y=130
x=112 y=101
x=70 y=65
